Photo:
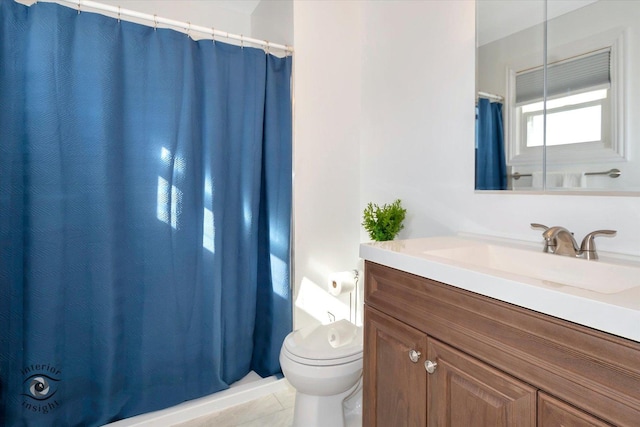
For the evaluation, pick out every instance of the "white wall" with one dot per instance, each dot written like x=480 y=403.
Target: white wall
x=417 y=111
x=326 y=148
x=272 y=20
x=410 y=134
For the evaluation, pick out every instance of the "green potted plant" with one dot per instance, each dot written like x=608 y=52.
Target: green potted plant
x=383 y=223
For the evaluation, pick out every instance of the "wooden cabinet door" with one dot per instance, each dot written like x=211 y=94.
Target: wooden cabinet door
x=395 y=388
x=464 y=391
x=556 y=413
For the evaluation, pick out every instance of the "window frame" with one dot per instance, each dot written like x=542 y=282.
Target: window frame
x=614 y=116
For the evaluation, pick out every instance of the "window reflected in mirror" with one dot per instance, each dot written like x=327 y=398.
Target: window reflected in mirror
x=574 y=138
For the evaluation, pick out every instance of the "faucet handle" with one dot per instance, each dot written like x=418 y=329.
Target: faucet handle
x=546 y=241
x=549 y=244
x=588 y=246
x=540 y=226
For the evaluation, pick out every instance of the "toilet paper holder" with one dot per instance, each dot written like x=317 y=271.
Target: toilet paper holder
x=346 y=282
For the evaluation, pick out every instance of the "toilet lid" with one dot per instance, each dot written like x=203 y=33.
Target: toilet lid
x=336 y=342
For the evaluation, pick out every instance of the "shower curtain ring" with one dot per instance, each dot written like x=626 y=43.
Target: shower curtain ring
x=155 y=22
x=213 y=35
x=241 y=41
x=189 y=30
x=267 y=49
x=118 y=14
x=78 y=7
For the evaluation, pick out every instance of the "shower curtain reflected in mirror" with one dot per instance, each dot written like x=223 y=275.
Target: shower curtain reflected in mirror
x=491 y=168
x=145 y=202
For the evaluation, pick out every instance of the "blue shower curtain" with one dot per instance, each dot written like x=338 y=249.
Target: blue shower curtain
x=491 y=167
x=145 y=204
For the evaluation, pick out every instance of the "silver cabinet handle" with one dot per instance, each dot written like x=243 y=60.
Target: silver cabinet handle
x=430 y=366
x=414 y=355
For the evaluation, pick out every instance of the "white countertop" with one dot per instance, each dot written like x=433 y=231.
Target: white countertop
x=615 y=312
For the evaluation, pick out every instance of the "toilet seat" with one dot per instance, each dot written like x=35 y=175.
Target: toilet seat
x=325 y=345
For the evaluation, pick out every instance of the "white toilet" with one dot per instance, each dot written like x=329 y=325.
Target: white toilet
x=324 y=364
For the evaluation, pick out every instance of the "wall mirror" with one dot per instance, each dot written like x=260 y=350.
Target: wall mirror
x=558 y=96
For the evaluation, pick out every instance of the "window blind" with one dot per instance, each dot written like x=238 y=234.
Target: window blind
x=566 y=77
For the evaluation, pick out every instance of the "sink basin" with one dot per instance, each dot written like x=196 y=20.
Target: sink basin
x=603 y=294
x=555 y=270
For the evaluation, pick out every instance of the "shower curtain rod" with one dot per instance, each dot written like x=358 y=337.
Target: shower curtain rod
x=186 y=26
x=490 y=96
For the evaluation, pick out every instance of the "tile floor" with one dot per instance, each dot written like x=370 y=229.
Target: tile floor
x=273 y=410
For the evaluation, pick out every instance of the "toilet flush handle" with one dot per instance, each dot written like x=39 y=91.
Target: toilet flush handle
x=414 y=355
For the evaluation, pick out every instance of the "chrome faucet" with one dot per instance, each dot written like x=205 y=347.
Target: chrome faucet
x=560 y=241
x=565 y=244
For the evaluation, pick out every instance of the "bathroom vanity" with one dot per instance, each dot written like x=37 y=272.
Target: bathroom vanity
x=462 y=342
